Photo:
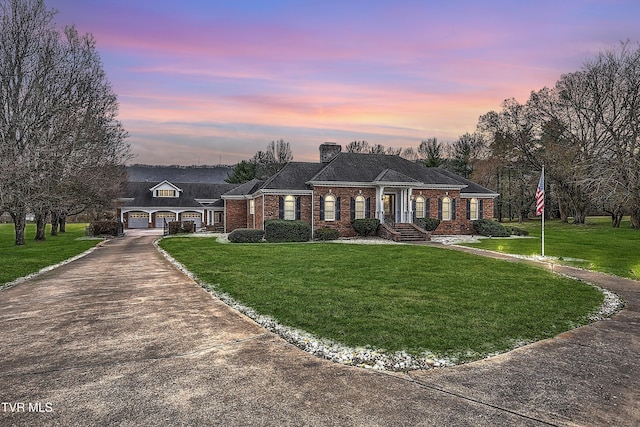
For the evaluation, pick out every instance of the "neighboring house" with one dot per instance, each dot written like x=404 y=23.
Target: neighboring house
x=158 y=194
x=346 y=186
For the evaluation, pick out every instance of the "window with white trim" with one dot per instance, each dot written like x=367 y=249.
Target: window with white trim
x=252 y=207
x=165 y=193
x=446 y=209
x=420 y=207
x=290 y=208
x=360 y=207
x=473 y=209
x=330 y=208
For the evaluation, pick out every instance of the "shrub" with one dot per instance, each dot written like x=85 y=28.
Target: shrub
x=517 y=231
x=365 y=226
x=428 y=224
x=246 y=235
x=280 y=230
x=105 y=228
x=176 y=227
x=327 y=234
x=486 y=227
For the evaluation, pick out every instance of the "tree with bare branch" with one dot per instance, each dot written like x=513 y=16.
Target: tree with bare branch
x=58 y=117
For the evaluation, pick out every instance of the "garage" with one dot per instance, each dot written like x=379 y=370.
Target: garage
x=161 y=217
x=138 y=220
x=196 y=217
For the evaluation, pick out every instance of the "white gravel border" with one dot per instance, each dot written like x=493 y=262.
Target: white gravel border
x=327 y=349
x=51 y=267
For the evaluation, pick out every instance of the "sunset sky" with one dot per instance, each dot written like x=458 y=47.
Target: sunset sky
x=208 y=82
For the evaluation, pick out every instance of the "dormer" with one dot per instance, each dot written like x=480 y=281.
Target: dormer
x=165 y=190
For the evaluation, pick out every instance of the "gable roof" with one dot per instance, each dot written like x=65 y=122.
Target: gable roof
x=391 y=176
x=182 y=174
x=137 y=194
x=160 y=184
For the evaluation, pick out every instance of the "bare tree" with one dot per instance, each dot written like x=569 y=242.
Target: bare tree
x=409 y=154
x=58 y=119
x=357 y=147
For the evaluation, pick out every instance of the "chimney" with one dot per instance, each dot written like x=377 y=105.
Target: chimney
x=328 y=151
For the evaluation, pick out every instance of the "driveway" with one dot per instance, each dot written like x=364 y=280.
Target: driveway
x=120 y=337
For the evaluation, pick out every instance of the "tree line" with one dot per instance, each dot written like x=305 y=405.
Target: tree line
x=585 y=131
x=62 y=149
x=456 y=157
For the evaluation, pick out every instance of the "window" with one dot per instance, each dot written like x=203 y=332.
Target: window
x=290 y=208
x=252 y=206
x=473 y=209
x=165 y=193
x=446 y=209
x=420 y=207
x=329 y=208
x=360 y=207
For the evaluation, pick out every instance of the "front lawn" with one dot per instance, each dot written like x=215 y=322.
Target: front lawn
x=393 y=297
x=20 y=261
x=594 y=245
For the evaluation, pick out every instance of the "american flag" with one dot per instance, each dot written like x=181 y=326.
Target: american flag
x=540 y=196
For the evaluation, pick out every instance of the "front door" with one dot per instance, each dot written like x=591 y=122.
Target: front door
x=389 y=208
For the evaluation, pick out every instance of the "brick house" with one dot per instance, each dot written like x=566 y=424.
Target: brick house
x=345 y=186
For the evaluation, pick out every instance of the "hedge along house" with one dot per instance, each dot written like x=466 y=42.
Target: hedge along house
x=346 y=186
x=158 y=194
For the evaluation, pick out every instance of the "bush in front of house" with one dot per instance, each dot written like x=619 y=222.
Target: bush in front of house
x=176 y=227
x=517 y=231
x=489 y=228
x=327 y=233
x=365 y=226
x=280 y=230
x=105 y=228
x=246 y=235
x=428 y=224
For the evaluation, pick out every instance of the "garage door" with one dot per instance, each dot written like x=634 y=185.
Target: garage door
x=192 y=216
x=162 y=216
x=138 y=220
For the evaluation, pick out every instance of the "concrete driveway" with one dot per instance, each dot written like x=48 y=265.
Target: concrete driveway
x=120 y=337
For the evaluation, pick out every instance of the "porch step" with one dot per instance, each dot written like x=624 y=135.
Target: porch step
x=408 y=233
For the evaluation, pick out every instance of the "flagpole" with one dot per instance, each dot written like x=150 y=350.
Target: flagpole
x=543 y=215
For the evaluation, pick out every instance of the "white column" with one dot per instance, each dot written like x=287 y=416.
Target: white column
x=409 y=205
x=380 y=204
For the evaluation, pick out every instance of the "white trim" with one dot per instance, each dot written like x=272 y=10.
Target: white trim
x=399 y=184
x=479 y=195
x=417 y=184
x=165 y=182
x=341 y=184
x=270 y=192
x=286 y=192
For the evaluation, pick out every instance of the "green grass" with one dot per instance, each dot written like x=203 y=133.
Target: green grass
x=20 y=261
x=595 y=246
x=393 y=297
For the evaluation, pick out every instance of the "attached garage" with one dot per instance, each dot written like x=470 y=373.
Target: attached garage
x=161 y=217
x=196 y=217
x=138 y=220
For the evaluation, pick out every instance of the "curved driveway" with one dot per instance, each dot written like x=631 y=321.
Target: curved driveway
x=120 y=337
